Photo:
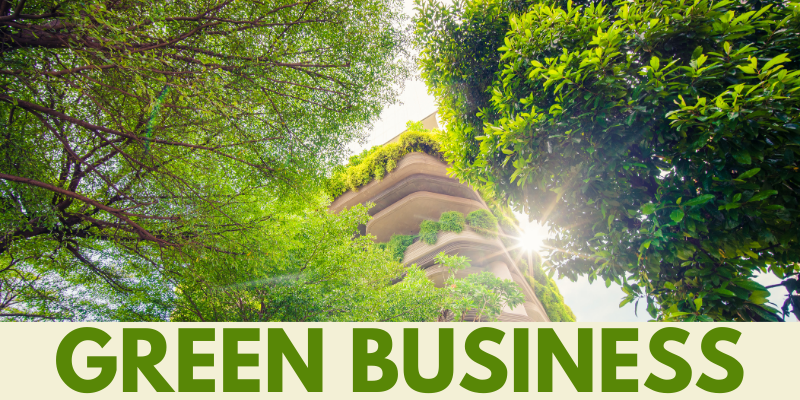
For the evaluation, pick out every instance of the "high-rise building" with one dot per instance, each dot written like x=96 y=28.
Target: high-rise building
x=418 y=189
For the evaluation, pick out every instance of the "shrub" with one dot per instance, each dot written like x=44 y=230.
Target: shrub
x=483 y=222
x=429 y=231
x=397 y=245
x=452 y=221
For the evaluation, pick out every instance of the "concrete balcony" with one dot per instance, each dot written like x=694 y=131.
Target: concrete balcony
x=404 y=217
x=410 y=164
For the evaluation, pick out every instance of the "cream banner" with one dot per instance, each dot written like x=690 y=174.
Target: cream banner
x=397 y=360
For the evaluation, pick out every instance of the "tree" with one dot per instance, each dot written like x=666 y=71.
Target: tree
x=306 y=266
x=660 y=138
x=483 y=293
x=134 y=132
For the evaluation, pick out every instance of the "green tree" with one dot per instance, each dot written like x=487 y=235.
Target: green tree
x=482 y=293
x=137 y=133
x=660 y=138
x=306 y=266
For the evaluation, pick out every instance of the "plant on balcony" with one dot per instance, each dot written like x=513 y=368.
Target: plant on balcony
x=483 y=222
x=547 y=292
x=397 y=245
x=429 y=231
x=452 y=221
x=378 y=161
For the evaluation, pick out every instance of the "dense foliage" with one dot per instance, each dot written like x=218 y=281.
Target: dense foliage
x=547 y=292
x=429 y=231
x=376 y=162
x=397 y=245
x=480 y=221
x=483 y=222
x=660 y=138
x=452 y=221
x=306 y=266
x=479 y=296
x=137 y=133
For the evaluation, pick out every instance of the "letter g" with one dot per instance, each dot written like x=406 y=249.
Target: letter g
x=107 y=365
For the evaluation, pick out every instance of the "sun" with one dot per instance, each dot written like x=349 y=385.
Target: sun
x=531 y=241
x=533 y=236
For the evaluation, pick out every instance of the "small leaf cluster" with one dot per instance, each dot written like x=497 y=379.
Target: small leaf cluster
x=483 y=222
x=452 y=221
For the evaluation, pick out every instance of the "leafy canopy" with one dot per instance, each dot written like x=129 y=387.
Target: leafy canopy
x=660 y=138
x=136 y=133
x=306 y=266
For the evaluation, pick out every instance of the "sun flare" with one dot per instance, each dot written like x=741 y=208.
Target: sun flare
x=532 y=236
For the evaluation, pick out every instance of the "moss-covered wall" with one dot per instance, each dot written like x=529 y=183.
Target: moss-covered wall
x=547 y=292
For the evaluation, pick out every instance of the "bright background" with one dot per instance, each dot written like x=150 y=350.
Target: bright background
x=590 y=302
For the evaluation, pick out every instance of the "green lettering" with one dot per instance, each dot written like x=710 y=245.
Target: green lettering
x=232 y=359
x=411 y=361
x=362 y=360
x=683 y=371
x=107 y=364
x=279 y=346
x=498 y=370
x=187 y=359
x=611 y=360
x=734 y=368
x=132 y=363
x=521 y=355
x=550 y=346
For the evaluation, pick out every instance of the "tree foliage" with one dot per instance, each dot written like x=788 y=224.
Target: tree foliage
x=660 y=138
x=306 y=266
x=140 y=132
x=481 y=294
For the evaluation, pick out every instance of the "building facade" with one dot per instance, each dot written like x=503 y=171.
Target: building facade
x=419 y=189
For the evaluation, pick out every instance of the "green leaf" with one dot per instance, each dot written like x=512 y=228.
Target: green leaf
x=749 y=173
x=698 y=51
x=654 y=62
x=776 y=60
x=763 y=195
x=648 y=208
x=699 y=200
x=669 y=285
x=698 y=302
x=676 y=215
x=750 y=285
x=725 y=292
x=679 y=313
x=742 y=156
x=758 y=297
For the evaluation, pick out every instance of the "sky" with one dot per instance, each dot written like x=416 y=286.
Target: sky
x=590 y=302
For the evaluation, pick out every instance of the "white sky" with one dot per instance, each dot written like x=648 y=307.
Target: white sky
x=590 y=302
